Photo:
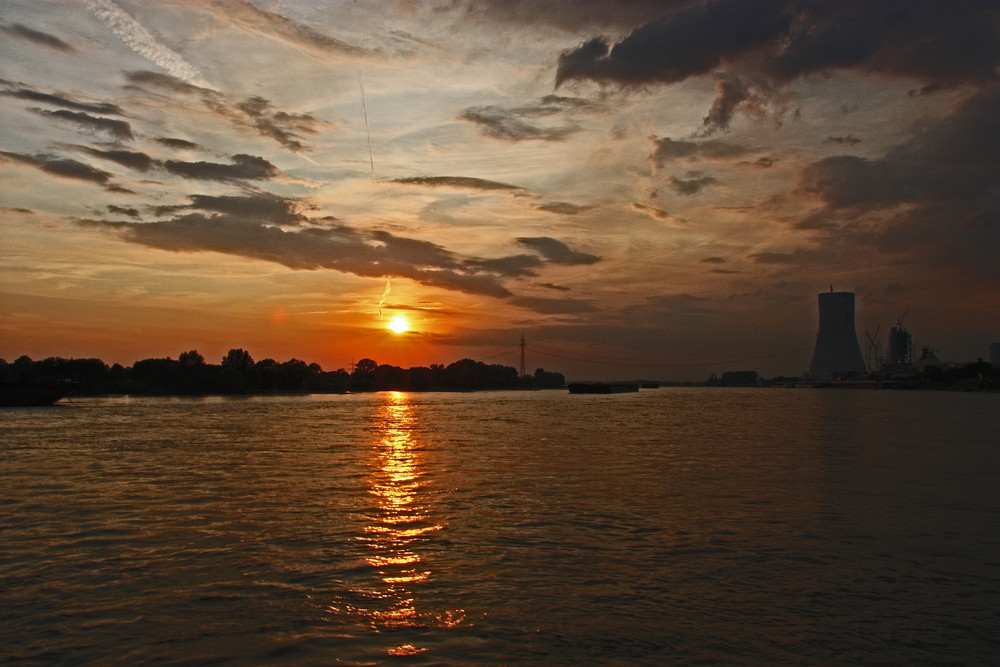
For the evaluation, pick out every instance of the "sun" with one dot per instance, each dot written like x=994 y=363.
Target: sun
x=398 y=324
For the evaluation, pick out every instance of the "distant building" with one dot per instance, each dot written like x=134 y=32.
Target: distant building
x=837 y=351
x=900 y=347
x=995 y=354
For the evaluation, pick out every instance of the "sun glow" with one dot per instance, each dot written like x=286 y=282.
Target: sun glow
x=398 y=325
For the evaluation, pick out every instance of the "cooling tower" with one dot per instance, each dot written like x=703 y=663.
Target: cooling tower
x=837 y=351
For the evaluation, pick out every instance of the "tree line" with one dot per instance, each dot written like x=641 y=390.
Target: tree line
x=238 y=373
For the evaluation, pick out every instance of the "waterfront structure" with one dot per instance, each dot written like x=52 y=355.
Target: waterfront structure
x=837 y=351
x=900 y=347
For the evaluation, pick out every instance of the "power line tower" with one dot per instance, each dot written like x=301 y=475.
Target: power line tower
x=522 y=355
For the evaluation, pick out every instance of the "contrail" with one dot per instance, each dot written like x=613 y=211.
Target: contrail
x=385 y=294
x=371 y=160
x=142 y=41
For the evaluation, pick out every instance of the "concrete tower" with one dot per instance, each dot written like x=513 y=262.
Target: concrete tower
x=837 y=350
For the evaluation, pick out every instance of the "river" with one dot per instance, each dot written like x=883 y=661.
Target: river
x=669 y=526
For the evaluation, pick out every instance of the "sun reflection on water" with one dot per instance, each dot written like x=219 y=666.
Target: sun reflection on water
x=398 y=523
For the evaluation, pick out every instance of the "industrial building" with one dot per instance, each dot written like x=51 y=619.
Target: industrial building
x=837 y=351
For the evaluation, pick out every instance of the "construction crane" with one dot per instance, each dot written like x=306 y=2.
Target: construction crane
x=872 y=350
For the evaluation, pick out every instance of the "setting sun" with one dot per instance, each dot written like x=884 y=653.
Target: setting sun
x=399 y=325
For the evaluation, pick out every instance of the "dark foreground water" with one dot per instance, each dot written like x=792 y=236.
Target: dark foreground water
x=672 y=526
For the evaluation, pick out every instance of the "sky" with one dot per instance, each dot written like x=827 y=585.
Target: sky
x=648 y=190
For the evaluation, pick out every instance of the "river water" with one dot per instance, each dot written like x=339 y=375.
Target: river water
x=670 y=526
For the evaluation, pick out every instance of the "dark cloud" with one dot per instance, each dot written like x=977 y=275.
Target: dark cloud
x=512 y=266
x=177 y=144
x=63 y=100
x=759 y=46
x=121 y=210
x=692 y=184
x=691 y=40
x=713 y=260
x=63 y=167
x=563 y=208
x=955 y=158
x=243 y=167
x=131 y=159
x=341 y=248
x=278 y=125
x=463 y=182
x=667 y=149
x=42 y=38
x=260 y=205
x=936 y=195
x=116 y=128
x=557 y=252
x=254 y=112
x=734 y=93
x=512 y=123
x=163 y=82
x=849 y=140
x=558 y=288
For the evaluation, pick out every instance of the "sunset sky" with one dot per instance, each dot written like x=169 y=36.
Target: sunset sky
x=644 y=189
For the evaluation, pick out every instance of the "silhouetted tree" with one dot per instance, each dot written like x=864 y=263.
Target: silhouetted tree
x=364 y=374
x=191 y=358
x=238 y=359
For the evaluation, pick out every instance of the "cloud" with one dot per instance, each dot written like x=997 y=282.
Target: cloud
x=511 y=123
x=164 y=81
x=557 y=252
x=694 y=183
x=462 y=182
x=667 y=149
x=275 y=26
x=43 y=38
x=652 y=211
x=116 y=128
x=177 y=144
x=760 y=163
x=63 y=100
x=569 y=15
x=278 y=125
x=66 y=168
x=261 y=205
x=566 y=306
x=131 y=159
x=936 y=194
x=121 y=210
x=243 y=167
x=687 y=41
x=774 y=258
x=255 y=112
x=755 y=48
x=954 y=158
x=341 y=248
x=143 y=42
x=563 y=208
x=849 y=140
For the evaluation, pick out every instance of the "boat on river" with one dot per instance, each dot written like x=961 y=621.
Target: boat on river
x=26 y=393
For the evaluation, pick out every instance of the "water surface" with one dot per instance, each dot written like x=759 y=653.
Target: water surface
x=672 y=526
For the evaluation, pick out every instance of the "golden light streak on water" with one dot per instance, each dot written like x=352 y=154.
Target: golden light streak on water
x=400 y=518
